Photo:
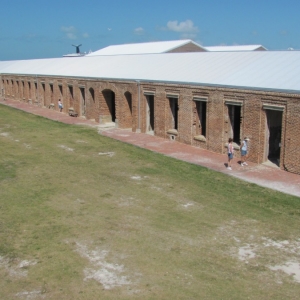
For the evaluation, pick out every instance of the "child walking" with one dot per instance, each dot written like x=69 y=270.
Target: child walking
x=60 y=106
x=230 y=153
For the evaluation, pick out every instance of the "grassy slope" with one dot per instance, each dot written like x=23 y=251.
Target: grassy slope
x=175 y=227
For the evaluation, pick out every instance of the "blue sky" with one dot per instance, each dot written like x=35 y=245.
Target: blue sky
x=39 y=29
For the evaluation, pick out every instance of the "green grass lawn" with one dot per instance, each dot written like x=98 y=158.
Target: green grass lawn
x=83 y=216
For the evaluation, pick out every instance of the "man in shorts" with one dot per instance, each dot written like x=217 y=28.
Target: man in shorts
x=244 y=151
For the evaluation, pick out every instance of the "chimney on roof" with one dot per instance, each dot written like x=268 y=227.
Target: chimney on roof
x=77 y=48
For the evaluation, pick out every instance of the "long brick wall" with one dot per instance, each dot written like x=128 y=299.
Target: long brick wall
x=127 y=104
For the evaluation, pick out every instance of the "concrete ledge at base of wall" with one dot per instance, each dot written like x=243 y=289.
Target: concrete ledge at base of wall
x=172 y=131
x=200 y=138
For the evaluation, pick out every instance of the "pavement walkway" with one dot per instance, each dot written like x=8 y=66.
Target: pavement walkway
x=263 y=175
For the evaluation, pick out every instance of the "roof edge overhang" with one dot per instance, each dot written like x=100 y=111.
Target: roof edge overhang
x=202 y=84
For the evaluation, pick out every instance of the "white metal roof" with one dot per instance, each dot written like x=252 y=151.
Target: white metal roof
x=236 y=48
x=143 y=48
x=261 y=70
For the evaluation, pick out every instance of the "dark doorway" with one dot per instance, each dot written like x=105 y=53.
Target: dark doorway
x=109 y=97
x=36 y=91
x=51 y=94
x=71 y=96
x=92 y=94
x=129 y=101
x=127 y=110
x=83 y=105
x=174 y=111
x=150 y=114
x=18 y=89
x=201 y=111
x=23 y=90
x=71 y=91
x=273 y=135
x=112 y=106
x=60 y=91
x=234 y=112
x=43 y=94
x=29 y=90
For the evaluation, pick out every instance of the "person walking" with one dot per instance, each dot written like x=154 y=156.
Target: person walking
x=244 y=151
x=230 y=153
x=60 y=106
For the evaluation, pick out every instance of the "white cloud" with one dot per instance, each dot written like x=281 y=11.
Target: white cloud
x=139 y=31
x=71 y=36
x=72 y=33
x=185 y=27
x=68 y=29
x=283 y=32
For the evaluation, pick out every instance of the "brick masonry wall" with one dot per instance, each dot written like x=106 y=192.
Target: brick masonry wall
x=98 y=95
x=290 y=141
x=162 y=120
x=185 y=118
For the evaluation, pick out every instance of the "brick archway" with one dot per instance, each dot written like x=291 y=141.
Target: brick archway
x=127 y=110
x=107 y=107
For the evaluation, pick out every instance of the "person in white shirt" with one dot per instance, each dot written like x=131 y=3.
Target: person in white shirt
x=60 y=106
x=244 y=151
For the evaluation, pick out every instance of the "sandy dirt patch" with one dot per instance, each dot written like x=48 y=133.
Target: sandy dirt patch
x=251 y=247
x=27 y=146
x=65 y=148
x=5 y=134
x=290 y=268
x=109 y=274
x=31 y=295
x=16 y=268
x=110 y=154
x=80 y=141
x=137 y=177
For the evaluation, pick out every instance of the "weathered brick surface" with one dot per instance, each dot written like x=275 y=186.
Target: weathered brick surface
x=130 y=107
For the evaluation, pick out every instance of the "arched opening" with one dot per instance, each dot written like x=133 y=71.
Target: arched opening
x=108 y=107
x=92 y=94
x=51 y=93
x=71 y=96
x=82 y=101
x=127 y=111
x=43 y=93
